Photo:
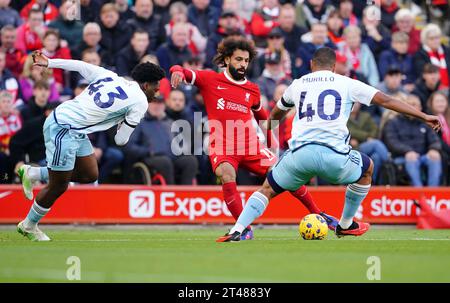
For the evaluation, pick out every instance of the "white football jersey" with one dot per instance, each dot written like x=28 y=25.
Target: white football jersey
x=324 y=101
x=107 y=101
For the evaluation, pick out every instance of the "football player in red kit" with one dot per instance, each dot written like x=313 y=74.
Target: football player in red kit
x=231 y=103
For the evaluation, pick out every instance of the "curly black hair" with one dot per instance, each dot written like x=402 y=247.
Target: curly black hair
x=147 y=72
x=227 y=47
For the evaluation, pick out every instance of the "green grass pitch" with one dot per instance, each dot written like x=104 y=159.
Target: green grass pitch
x=191 y=255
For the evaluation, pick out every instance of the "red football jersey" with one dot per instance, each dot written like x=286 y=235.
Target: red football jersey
x=229 y=104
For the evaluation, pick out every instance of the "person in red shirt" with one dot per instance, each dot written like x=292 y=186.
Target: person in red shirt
x=10 y=123
x=231 y=103
x=50 y=11
x=55 y=48
x=30 y=34
x=15 y=58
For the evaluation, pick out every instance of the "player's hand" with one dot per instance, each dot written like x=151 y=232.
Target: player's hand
x=433 y=122
x=176 y=79
x=39 y=59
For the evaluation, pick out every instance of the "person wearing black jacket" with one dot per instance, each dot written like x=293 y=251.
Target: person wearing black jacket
x=131 y=55
x=152 y=23
x=37 y=105
x=427 y=84
x=115 y=33
x=414 y=144
x=29 y=140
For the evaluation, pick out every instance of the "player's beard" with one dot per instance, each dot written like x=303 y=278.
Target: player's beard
x=235 y=73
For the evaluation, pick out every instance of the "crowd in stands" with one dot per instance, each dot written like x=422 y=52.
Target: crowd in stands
x=398 y=46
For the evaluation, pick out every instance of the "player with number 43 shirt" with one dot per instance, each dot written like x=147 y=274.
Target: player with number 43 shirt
x=107 y=101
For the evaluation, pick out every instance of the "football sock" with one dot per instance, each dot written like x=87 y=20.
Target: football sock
x=232 y=199
x=254 y=208
x=35 y=214
x=38 y=174
x=354 y=195
x=305 y=197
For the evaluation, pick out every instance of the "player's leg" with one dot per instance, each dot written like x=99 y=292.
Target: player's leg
x=29 y=175
x=354 y=195
x=56 y=186
x=86 y=170
x=284 y=176
x=226 y=172
x=260 y=164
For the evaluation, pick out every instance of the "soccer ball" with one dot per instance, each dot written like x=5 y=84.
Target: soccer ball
x=313 y=227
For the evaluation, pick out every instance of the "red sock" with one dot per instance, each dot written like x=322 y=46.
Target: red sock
x=232 y=199
x=305 y=197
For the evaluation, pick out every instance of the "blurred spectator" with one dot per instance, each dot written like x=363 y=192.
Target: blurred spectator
x=175 y=50
x=346 y=13
x=8 y=16
x=131 y=55
x=404 y=22
x=398 y=56
x=28 y=142
x=306 y=50
x=178 y=14
x=146 y=20
x=335 y=27
x=115 y=33
x=438 y=105
x=392 y=83
x=124 y=9
x=427 y=84
x=273 y=74
x=31 y=74
x=373 y=32
x=30 y=34
x=108 y=157
x=359 y=55
x=313 y=11
x=183 y=123
x=8 y=82
x=37 y=105
x=92 y=35
x=151 y=142
x=50 y=11
x=264 y=20
x=364 y=133
x=89 y=10
x=10 y=123
x=228 y=26
x=14 y=57
x=388 y=114
x=54 y=48
x=161 y=9
x=434 y=52
x=414 y=144
x=290 y=30
x=234 y=6
x=275 y=44
x=203 y=16
x=246 y=8
x=388 y=10
x=69 y=28
x=343 y=68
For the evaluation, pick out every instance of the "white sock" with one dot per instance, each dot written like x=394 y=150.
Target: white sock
x=345 y=223
x=237 y=227
x=34 y=173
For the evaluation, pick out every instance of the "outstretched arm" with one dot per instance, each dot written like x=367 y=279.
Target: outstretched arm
x=278 y=113
x=89 y=71
x=180 y=74
x=390 y=103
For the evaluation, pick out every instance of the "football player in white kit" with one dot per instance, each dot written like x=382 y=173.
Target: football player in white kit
x=107 y=101
x=320 y=142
